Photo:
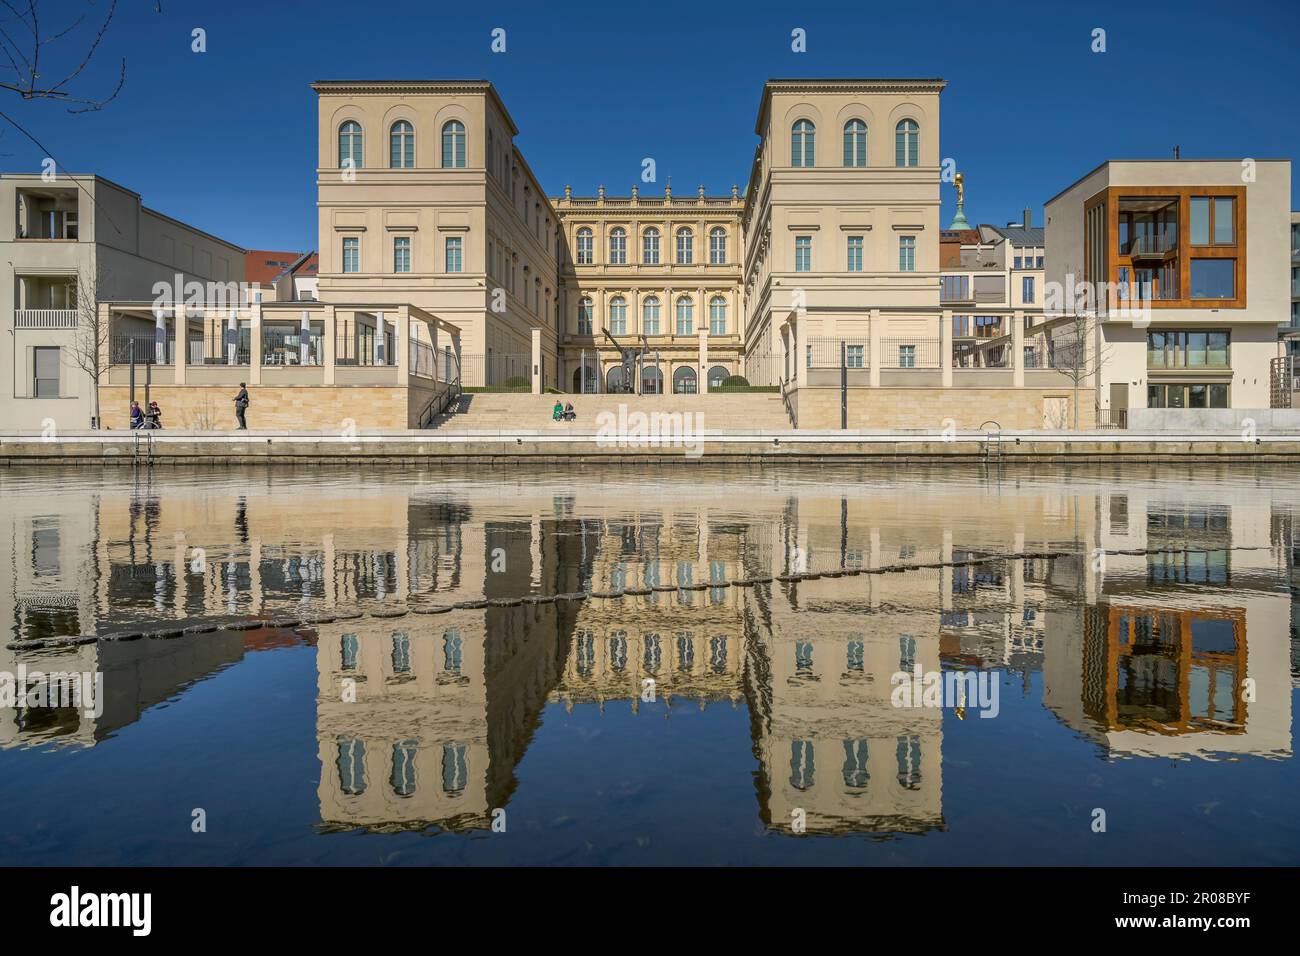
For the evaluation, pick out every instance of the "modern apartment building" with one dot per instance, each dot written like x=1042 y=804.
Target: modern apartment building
x=67 y=242
x=1188 y=264
x=992 y=277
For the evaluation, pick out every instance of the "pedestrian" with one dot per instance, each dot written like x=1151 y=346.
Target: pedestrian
x=137 y=416
x=241 y=403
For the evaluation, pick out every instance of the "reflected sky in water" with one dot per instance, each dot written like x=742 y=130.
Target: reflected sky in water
x=1136 y=637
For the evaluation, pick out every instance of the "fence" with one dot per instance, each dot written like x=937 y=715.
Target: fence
x=506 y=371
x=285 y=347
x=221 y=348
x=356 y=346
x=823 y=352
x=909 y=353
x=423 y=360
x=142 y=349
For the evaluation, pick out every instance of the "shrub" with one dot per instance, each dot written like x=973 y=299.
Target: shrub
x=733 y=380
x=518 y=381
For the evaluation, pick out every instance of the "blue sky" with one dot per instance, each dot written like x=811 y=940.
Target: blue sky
x=595 y=87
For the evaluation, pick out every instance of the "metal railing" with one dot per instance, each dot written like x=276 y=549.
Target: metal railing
x=1151 y=245
x=222 y=348
x=1284 y=382
x=1112 y=418
x=898 y=352
x=355 y=345
x=508 y=371
x=826 y=352
x=285 y=347
x=141 y=349
x=423 y=360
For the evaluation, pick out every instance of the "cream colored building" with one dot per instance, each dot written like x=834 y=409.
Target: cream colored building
x=68 y=239
x=423 y=198
x=1191 y=260
x=659 y=274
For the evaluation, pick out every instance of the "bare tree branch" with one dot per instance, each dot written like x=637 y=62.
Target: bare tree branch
x=25 y=53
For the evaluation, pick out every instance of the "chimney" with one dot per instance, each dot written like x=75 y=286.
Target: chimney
x=1029 y=218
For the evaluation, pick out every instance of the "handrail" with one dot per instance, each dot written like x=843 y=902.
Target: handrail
x=443 y=401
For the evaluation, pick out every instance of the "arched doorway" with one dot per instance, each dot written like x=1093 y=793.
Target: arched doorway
x=684 y=381
x=614 y=379
x=717 y=375
x=652 y=381
x=591 y=380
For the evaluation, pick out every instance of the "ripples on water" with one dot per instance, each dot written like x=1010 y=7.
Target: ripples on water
x=701 y=724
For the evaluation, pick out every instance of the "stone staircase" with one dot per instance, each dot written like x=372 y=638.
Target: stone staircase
x=740 y=412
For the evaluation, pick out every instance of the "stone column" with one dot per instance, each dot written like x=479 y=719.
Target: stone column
x=330 y=341
x=1018 y=349
x=304 y=335
x=537 y=361
x=255 y=343
x=945 y=348
x=702 y=385
x=180 y=336
x=380 y=358
x=877 y=359
x=401 y=344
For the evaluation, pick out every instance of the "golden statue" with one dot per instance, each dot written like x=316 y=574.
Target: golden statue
x=961 y=190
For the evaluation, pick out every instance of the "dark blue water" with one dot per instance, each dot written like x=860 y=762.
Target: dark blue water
x=1119 y=687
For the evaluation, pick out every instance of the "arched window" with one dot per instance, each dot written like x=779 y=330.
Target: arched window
x=717 y=375
x=718 y=246
x=614 y=379
x=801 y=143
x=350 y=145
x=618 y=315
x=855 y=143
x=650 y=246
x=652 y=380
x=352 y=766
x=717 y=315
x=586 y=246
x=401 y=146
x=684 y=381
x=650 y=316
x=907 y=137
x=591 y=380
x=453 y=145
x=685 y=316
x=584 y=316
x=685 y=246
x=403 y=779
x=618 y=246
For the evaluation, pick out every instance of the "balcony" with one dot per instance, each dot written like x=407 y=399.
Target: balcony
x=1160 y=245
x=45 y=318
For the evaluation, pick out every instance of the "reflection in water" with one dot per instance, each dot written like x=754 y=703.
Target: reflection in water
x=425 y=719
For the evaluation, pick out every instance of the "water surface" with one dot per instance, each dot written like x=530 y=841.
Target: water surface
x=703 y=723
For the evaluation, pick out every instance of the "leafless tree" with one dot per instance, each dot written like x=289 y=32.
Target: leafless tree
x=90 y=343
x=46 y=47
x=1071 y=355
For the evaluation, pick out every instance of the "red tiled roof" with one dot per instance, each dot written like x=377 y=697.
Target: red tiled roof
x=263 y=265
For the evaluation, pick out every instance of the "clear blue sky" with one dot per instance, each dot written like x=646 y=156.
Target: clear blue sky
x=225 y=139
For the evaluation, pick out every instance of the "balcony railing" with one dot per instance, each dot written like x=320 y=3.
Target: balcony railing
x=1153 y=246
x=141 y=349
x=45 y=319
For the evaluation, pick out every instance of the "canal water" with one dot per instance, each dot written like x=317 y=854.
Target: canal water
x=839 y=665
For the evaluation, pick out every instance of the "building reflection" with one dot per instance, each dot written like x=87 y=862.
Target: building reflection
x=422 y=720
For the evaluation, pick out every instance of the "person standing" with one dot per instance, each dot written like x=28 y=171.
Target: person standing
x=241 y=403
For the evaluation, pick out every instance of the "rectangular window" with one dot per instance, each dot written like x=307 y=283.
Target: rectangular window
x=454 y=250
x=1027 y=289
x=803 y=254
x=1040 y=262
x=907 y=356
x=402 y=254
x=1214 y=278
x=855 y=253
x=45 y=377
x=1213 y=221
x=854 y=356
x=351 y=254
x=906 y=253
x=1017 y=263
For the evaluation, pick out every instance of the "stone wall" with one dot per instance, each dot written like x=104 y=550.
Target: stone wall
x=933 y=409
x=1201 y=420
x=313 y=408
